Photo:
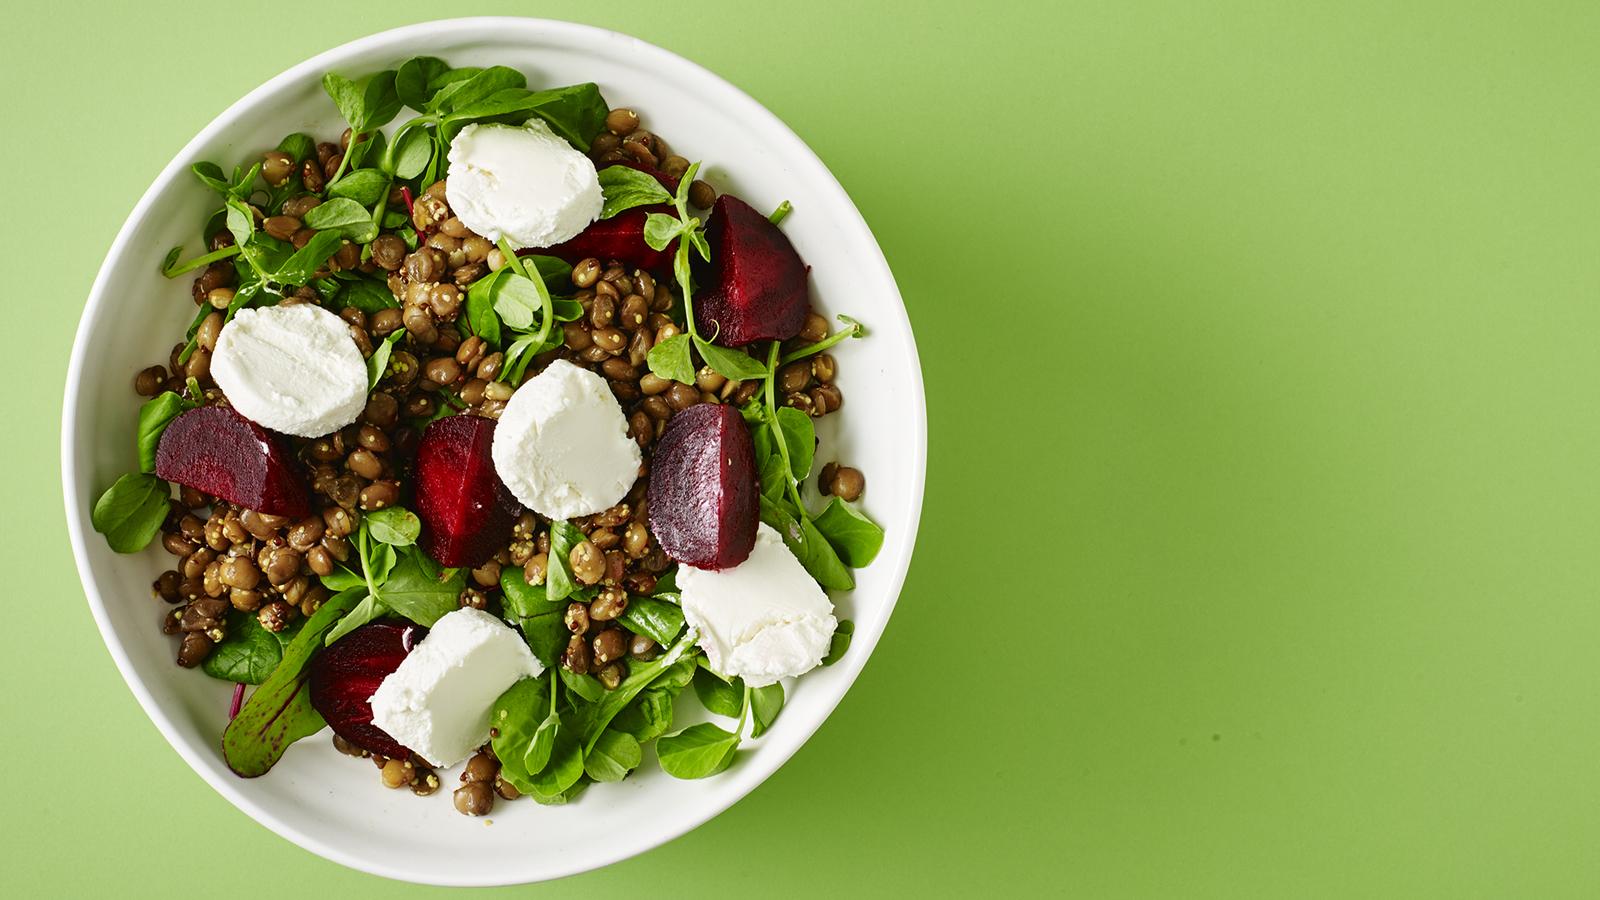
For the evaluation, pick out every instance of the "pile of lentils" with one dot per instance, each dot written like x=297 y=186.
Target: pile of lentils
x=234 y=559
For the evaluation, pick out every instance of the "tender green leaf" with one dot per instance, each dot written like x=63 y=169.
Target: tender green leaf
x=543 y=744
x=655 y=619
x=625 y=188
x=724 y=698
x=302 y=266
x=542 y=621
x=516 y=718
x=456 y=99
x=412 y=154
x=299 y=147
x=733 y=364
x=365 y=611
x=396 y=526
x=131 y=511
x=342 y=579
x=840 y=643
x=345 y=217
x=368 y=295
x=649 y=716
x=800 y=436
x=808 y=545
x=279 y=712
x=765 y=704
x=558 y=579
x=586 y=686
x=481 y=317
x=670 y=359
x=697 y=751
x=241 y=221
x=640 y=676
x=565 y=766
x=856 y=538
x=413 y=83
x=660 y=229
x=576 y=112
x=361 y=186
x=774 y=477
x=614 y=754
x=366 y=103
x=378 y=362
x=419 y=590
x=697 y=237
x=212 y=176
x=516 y=300
x=250 y=652
x=154 y=417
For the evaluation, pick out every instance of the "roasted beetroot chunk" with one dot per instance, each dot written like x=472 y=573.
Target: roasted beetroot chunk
x=343 y=678
x=219 y=452
x=620 y=237
x=755 y=284
x=704 y=499
x=466 y=510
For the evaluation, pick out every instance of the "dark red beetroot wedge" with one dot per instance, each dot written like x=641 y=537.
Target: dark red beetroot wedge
x=215 y=450
x=704 y=500
x=343 y=678
x=620 y=237
x=755 y=285
x=466 y=510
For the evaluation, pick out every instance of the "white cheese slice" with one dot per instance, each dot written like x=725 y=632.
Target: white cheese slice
x=293 y=369
x=522 y=183
x=761 y=620
x=438 y=702
x=562 y=444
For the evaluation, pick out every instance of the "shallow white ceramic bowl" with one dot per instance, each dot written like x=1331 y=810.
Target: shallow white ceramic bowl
x=329 y=804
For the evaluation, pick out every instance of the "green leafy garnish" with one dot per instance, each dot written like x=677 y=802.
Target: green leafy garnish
x=131 y=511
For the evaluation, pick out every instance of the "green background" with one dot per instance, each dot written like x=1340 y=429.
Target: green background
x=1258 y=554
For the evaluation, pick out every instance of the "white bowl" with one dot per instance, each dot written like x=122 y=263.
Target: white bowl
x=332 y=805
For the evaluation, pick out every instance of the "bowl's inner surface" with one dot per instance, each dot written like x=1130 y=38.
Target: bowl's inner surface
x=333 y=804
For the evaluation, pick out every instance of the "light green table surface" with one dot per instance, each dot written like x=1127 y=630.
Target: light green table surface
x=1259 y=555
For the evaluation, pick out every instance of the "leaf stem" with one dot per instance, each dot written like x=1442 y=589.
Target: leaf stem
x=344 y=159
x=777 y=431
x=547 y=306
x=819 y=346
x=198 y=261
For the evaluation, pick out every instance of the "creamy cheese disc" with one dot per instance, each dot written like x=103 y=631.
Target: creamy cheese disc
x=292 y=368
x=562 y=444
x=522 y=183
x=761 y=620
x=438 y=702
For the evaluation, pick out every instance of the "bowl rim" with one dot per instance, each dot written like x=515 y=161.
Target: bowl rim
x=713 y=86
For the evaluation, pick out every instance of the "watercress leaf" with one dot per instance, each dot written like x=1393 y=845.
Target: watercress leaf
x=366 y=103
x=131 y=511
x=667 y=584
x=575 y=112
x=364 y=187
x=800 y=436
x=396 y=526
x=368 y=153
x=542 y=621
x=566 y=309
x=678 y=675
x=516 y=300
x=586 y=686
x=614 y=754
x=670 y=359
x=154 y=417
x=412 y=154
x=345 y=217
x=241 y=222
x=840 y=643
x=378 y=362
x=765 y=704
x=558 y=580
x=419 y=590
x=516 y=716
x=721 y=697
x=660 y=229
x=556 y=272
x=565 y=766
x=299 y=147
x=368 y=295
x=381 y=562
x=856 y=538
x=481 y=317
x=697 y=237
x=279 y=712
x=456 y=99
x=808 y=545
x=413 y=82
x=624 y=188
x=774 y=477
x=363 y=612
x=211 y=175
x=250 y=652
x=640 y=676
x=731 y=364
x=656 y=619
x=697 y=751
x=649 y=716
x=542 y=744
x=299 y=268
x=341 y=579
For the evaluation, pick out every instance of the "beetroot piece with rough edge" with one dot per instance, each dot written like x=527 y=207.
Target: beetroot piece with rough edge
x=620 y=237
x=704 y=500
x=755 y=285
x=219 y=452
x=466 y=510
x=344 y=677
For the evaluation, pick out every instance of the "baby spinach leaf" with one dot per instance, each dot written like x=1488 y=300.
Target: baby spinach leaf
x=481 y=317
x=659 y=228
x=413 y=82
x=808 y=545
x=302 y=266
x=456 y=99
x=624 y=188
x=516 y=718
x=670 y=359
x=840 y=643
x=856 y=538
x=362 y=613
x=655 y=619
x=649 y=716
x=378 y=362
x=368 y=295
x=558 y=578
x=154 y=417
x=765 y=704
x=724 y=698
x=279 y=712
x=419 y=590
x=395 y=526
x=345 y=217
x=368 y=154
x=131 y=511
x=542 y=621
x=250 y=652
x=366 y=103
x=697 y=751
x=614 y=754
x=729 y=363
x=586 y=686
x=411 y=154
x=299 y=147
x=800 y=437
x=362 y=186
x=576 y=112
x=641 y=676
